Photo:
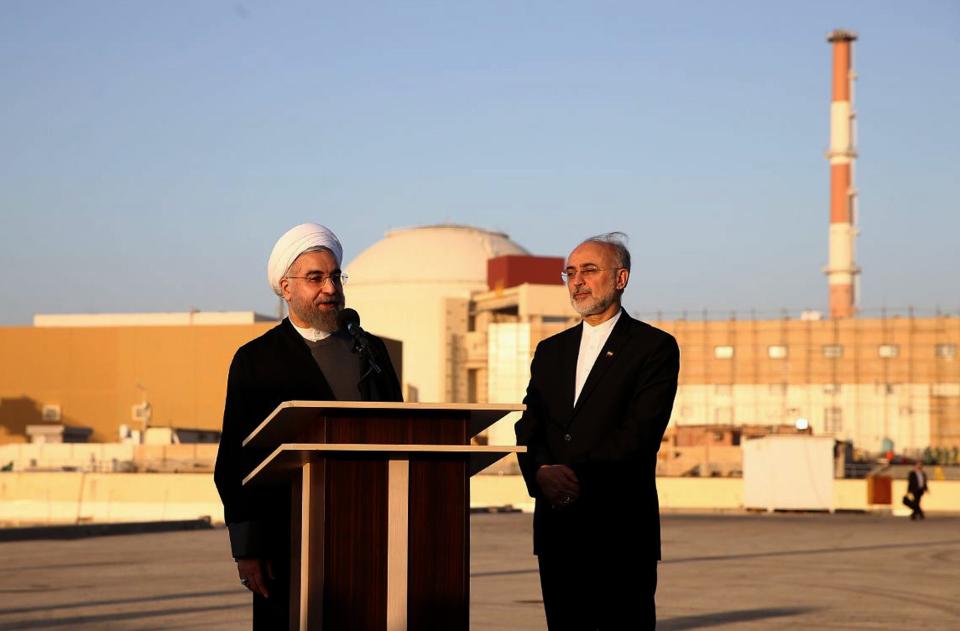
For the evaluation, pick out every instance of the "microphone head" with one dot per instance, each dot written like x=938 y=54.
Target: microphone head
x=348 y=318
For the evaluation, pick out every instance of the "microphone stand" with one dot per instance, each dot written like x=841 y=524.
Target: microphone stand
x=361 y=344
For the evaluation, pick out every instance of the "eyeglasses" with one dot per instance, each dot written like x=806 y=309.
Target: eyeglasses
x=320 y=280
x=585 y=272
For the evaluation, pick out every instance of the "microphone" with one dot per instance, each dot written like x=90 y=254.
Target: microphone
x=349 y=320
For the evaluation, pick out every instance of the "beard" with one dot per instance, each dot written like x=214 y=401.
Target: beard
x=316 y=317
x=593 y=305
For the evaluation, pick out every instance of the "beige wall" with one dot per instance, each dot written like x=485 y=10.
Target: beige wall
x=863 y=413
x=805 y=362
x=912 y=398
x=51 y=498
x=92 y=374
x=420 y=317
x=31 y=498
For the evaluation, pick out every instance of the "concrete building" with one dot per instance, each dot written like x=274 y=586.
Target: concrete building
x=887 y=383
x=882 y=382
x=469 y=307
x=184 y=318
x=414 y=285
x=98 y=370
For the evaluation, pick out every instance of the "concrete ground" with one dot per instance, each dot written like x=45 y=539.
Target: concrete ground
x=720 y=572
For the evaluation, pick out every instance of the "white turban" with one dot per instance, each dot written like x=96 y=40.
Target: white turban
x=295 y=242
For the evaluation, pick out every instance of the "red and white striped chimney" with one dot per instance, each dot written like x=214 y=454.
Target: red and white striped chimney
x=842 y=272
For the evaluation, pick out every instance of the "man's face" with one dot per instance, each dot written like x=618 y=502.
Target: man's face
x=311 y=303
x=597 y=282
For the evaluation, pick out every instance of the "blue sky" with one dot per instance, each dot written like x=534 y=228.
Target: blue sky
x=153 y=152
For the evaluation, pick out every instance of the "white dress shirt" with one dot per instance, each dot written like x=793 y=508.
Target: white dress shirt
x=311 y=335
x=591 y=342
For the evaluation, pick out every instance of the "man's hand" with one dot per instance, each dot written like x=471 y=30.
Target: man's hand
x=254 y=574
x=559 y=484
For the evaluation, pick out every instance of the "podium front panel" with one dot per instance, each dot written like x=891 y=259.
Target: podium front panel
x=355 y=540
x=438 y=593
x=345 y=564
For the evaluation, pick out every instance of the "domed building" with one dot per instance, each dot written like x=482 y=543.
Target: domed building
x=417 y=286
x=448 y=255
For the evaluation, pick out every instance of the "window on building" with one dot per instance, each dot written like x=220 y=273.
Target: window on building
x=945 y=351
x=723 y=389
x=833 y=351
x=473 y=385
x=777 y=388
x=723 y=416
x=944 y=390
x=777 y=351
x=832 y=388
x=833 y=420
x=723 y=352
x=888 y=351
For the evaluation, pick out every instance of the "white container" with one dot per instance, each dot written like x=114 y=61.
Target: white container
x=788 y=472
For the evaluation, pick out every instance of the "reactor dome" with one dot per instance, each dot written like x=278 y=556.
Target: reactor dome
x=414 y=286
x=446 y=254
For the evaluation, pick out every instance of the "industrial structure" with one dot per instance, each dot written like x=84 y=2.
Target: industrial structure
x=470 y=305
x=468 y=331
x=842 y=272
x=414 y=285
x=886 y=383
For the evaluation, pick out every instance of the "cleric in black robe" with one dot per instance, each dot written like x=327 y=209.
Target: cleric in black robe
x=303 y=358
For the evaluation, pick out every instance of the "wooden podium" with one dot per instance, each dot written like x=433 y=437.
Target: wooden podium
x=381 y=508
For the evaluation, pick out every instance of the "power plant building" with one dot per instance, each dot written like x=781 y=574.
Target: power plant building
x=469 y=317
x=470 y=305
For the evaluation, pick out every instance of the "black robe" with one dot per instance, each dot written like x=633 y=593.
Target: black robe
x=265 y=372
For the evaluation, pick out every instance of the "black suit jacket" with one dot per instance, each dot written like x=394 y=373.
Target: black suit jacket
x=610 y=439
x=913 y=484
x=275 y=367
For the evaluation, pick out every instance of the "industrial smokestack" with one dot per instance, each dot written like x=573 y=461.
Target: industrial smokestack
x=842 y=272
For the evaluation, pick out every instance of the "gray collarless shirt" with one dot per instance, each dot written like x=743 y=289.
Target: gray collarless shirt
x=339 y=364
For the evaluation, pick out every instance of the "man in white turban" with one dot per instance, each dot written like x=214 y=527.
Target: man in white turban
x=307 y=237
x=305 y=358
x=309 y=246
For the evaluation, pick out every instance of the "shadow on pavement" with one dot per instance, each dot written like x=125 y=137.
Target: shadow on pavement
x=124 y=601
x=728 y=617
x=104 y=619
x=836 y=550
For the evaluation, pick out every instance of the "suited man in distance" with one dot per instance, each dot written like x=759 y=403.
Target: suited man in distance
x=917 y=486
x=598 y=403
x=303 y=358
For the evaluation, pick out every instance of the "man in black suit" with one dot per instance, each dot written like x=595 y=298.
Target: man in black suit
x=917 y=486
x=304 y=358
x=598 y=403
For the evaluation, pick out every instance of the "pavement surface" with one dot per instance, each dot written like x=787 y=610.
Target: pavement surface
x=779 y=571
